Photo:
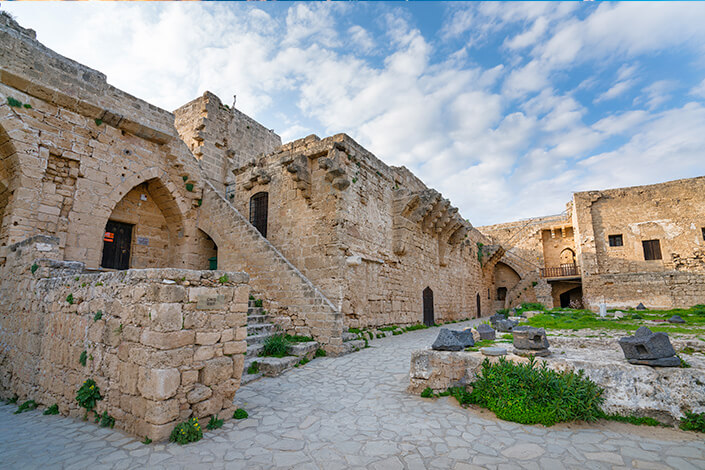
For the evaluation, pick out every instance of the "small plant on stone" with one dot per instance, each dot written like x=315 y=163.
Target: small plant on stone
x=52 y=410
x=118 y=330
x=27 y=106
x=240 y=414
x=105 y=420
x=185 y=178
x=224 y=279
x=214 y=423
x=98 y=122
x=258 y=303
x=380 y=335
x=188 y=431
x=427 y=393
x=254 y=368
x=69 y=299
x=98 y=284
x=83 y=358
x=146 y=441
x=693 y=422
x=320 y=352
x=13 y=103
x=275 y=346
x=303 y=361
x=189 y=187
x=684 y=364
x=98 y=315
x=26 y=406
x=88 y=395
x=13 y=400
x=34 y=268
x=298 y=339
x=252 y=297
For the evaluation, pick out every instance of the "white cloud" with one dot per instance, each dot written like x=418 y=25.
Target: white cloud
x=699 y=90
x=616 y=90
x=361 y=38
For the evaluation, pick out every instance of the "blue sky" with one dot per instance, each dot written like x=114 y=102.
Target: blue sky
x=506 y=108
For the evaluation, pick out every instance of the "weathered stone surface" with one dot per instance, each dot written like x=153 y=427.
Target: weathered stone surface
x=531 y=352
x=493 y=351
x=447 y=340
x=158 y=384
x=676 y=319
x=216 y=370
x=496 y=317
x=199 y=393
x=640 y=306
x=527 y=337
x=486 y=332
x=672 y=361
x=465 y=337
x=505 y=326
x=648 y=346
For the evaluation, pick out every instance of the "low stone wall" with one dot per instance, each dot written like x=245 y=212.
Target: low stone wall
x=168 y=344
x=661 y=393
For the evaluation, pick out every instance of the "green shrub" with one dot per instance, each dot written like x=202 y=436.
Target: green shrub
x=693 y=422
x=388 y=328
x=527 y=394
x=189 y=187
x=503 y=311
x=82 y=358
x=427 y=393
x=146 y=441
x=69 y=299
x=320 y=352
x=214 y=423
x=98 y=122
x=240 y=414
x=356 y=331
x=98 y=315
x=88 y=395
x=34 y=268
x=188 y=431
x=13 y=400
x=224 y=279
x=254 y=368
x=274 y=346
x=532 y=306
x=27 y=105
x=258 y=303
x=52 y=410
x=380 y=335
x=26 y=406
x=106 y=421
x=252 y=297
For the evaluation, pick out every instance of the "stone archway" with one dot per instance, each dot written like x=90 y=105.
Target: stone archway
x=567 y=257
x=10 y=177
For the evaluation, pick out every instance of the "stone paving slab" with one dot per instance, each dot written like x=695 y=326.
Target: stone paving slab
x=351 y=412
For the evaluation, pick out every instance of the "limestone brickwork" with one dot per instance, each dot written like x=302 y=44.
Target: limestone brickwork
x=168 y=343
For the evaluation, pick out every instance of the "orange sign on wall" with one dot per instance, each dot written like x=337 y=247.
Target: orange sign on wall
x=109 y=237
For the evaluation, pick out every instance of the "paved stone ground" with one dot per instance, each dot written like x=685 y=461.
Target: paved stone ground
x=351 y=412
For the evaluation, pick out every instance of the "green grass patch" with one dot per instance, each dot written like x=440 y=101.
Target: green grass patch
x=388 y=328
x=531 y=394
x=298 y=339
x=214 y=423
x=636 y=420
x=13 y=103
x=52 y=410
x=240 y=414
x=419 y=326
x=508 y=336
x=254 y=368
x=275 y=346
x=29 y=405
x=320 y=352
x=105 y=420
x=480 y=344
x=427 y=393
x=693 y=422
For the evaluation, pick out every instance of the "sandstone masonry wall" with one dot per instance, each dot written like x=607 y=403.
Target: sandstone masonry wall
x=169 y=344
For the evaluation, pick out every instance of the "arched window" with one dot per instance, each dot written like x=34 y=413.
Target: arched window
x=258 y=212
x=567 y=256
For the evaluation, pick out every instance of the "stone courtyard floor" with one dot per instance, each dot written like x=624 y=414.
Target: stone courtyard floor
x=351 y=412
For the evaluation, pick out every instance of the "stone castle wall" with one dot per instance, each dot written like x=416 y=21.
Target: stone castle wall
x=672 y=213
x=168 y=345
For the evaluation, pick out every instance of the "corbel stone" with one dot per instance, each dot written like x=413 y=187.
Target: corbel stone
x=300 y=174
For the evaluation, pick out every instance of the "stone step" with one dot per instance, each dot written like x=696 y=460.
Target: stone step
x=254 y=310
x=253 y=350
x=347 y=336
x=352 y=346
x=247 y=378
x=273 y=366
x=257 y=319
x=307 y=350
x=257 y=339
x=260 y=329
x=251 y=303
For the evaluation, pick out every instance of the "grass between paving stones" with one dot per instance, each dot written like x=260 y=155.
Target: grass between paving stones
x=480 y=344
x=531 y=394
x=253 y=368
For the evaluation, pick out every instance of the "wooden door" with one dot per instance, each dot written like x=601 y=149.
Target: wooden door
x=428 y=319
x=117 y=241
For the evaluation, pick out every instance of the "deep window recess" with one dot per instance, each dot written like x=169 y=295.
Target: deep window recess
x=703 y=229
x=428 y=317
x=616 y=240
x=501 y=293
x=258 y=212
x=652 y=249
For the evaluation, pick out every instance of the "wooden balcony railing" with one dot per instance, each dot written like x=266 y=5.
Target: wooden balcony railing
x=564 y=270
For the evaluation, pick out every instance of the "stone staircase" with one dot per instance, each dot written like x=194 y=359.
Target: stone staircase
x=259 y=328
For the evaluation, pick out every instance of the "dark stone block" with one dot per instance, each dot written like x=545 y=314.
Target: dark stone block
x=447 y=340
x=531 y=352
x=527 y=337
x=646 y=345
x=496 y=317
x=640 y=306
x=505 y=325
x=676 y=319
x=663 y=362
x=486 y=332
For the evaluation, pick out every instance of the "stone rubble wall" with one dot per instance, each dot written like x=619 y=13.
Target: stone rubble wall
x=293 y=301
x=662 y=393
x=170 y=343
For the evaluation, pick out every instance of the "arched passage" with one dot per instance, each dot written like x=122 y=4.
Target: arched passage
x=505 y=278
x=142 y=230
x=207 y=251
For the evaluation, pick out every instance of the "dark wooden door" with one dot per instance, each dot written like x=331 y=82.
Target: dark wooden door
x=117 y=241
x=258 y=212
x=428 y=319
x=479 y=310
